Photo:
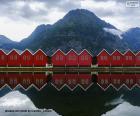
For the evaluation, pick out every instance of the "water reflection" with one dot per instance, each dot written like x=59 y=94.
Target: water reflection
x=69 y=80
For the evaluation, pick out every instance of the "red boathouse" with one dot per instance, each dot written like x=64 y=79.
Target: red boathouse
x=116 y=58
x=129 y=58
x=26 y=58
x=40 y=58
x=59 y=58
x=85 y=58
x=3 y=58
x=71 y=58
x=103 y=58
x=137 y=59
x=13 y=58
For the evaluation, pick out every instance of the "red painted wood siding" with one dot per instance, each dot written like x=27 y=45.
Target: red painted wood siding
x=59 y=59
x=40 y=59
x=129 y=59
x=137 y=59
x=13 y=59
x=116 y=59
x=3 y=58
x=85 y=59
x=103 y=59
x=26 y=58
x=72 y=59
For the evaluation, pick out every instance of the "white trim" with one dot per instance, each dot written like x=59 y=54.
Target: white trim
x=57 y=51
x=102 y=51
x=3 y=51
x=73 y=51
x=129 y=51
x=25 y=51
x=41 y=51
x=86 y=51
x=116 y=51
x=137 y=53
x=13 y=50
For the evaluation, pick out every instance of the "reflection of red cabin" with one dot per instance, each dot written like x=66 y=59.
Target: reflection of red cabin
x=26 y=58
x=13 y=58
x=103 y=58
x=117 y=80
x=58 y=58
x=72 y=81
x=116 y=58
x=85 y=58
x=72 y=58
x=129 y=80
x=104 y=81
x=58 y=80
x=40 y=58
x=129 y=59
x=3 y=58
x=137 y=59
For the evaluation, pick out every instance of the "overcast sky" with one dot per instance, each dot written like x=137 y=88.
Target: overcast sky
x=18 y=18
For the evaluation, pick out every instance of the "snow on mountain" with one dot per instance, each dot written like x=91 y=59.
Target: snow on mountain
x=18 y=101
x=115 y=32
x=124 y=109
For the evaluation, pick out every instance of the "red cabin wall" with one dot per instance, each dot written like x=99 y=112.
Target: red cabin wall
x=59 y=59
x=3 y=58
x=116 y=59
x=40 y=59
x=71 y=59
x=13 y=59
x=129 y=61
x=137 y=59
x=26 y=59
x=102 y=61
x=85 y=59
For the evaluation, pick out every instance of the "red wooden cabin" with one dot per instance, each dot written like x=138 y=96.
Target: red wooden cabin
x=116 y=58
x=71 y=58
x=137 y=59
x=26 y=58
x=40 y=58
x=58 y=58
x=103 y=58
x=3 y=58
x=129 y=58
x=13 y=58
x=85 y=58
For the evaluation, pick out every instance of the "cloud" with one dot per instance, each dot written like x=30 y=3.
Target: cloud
x=36 y=10
x=124 y=109
x=18 y=101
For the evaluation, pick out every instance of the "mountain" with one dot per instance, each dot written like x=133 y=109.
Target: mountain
x=132 y=38
x=5 y=40
x=79 y=29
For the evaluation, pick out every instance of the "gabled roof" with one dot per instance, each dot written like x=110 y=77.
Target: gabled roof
x=116 y=51
x=41 y=51
x=86 y=51
x=3 y=51
x=16 y=50
x=28 y=51
x=72 y=50
x=57 y=51
x=102 y=51
x=129 y=51
x=137 y=53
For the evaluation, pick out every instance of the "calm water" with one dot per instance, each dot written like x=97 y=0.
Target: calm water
x=64 y=96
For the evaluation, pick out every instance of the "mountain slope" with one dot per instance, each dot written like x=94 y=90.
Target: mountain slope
x=132 y=38
x=79 y=29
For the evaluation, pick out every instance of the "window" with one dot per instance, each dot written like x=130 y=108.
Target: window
x=128 y=58
x=2 y=57
x=72 y=57
x=103 y=57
